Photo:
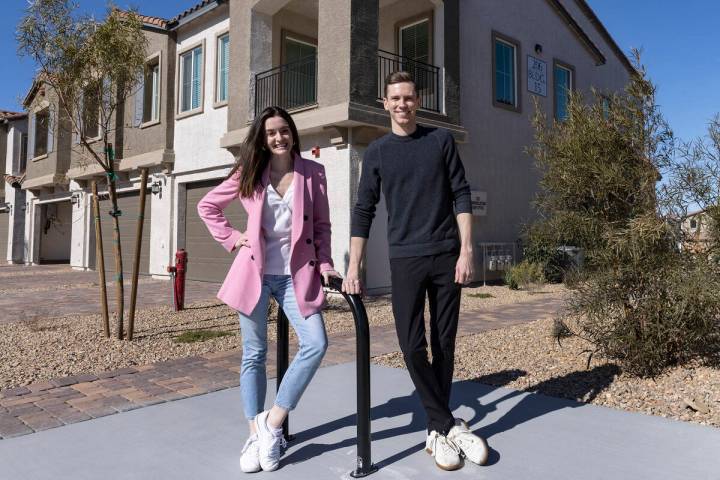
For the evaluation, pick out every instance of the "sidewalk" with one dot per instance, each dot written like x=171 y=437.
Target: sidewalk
x=66 y=400
x=530 y=435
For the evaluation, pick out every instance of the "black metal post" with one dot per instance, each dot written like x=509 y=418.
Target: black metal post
x=362 y=344
x=283 y=354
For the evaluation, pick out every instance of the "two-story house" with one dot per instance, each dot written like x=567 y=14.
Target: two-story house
x=479 y=68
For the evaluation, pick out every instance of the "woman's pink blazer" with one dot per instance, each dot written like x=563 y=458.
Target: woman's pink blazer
x=310 y=243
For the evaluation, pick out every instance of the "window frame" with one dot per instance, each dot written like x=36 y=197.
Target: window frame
x=179 y=114
x=573 y=81
x=427 y=16
x=42 y=110
x=217 y=103
x=153 y=59
x=500 y=37
x=24 y=149
x=91 y=139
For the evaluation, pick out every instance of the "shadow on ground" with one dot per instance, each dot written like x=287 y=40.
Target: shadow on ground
x=585 y=385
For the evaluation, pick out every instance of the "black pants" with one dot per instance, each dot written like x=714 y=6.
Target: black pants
x=412 y=279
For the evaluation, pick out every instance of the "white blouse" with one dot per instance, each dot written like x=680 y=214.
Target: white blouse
x=277 y=228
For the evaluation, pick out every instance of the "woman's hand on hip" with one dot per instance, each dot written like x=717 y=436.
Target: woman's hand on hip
x=241 y=242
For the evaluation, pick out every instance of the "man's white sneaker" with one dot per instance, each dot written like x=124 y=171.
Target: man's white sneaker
x=446 y=453
x=270 y=446
x=473 y=447
x=250 y=457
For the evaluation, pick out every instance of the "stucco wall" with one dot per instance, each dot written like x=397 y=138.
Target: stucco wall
x=151 y=136
x=14 y=196
x=494 y=156
x=197 y=137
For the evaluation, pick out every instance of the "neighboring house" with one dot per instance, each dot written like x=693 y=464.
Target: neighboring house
x=13 y=157
x=479 y=65
x=696 y=229
x=49 y=209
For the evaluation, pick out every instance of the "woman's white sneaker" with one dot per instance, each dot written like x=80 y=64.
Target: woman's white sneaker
x=250 y=457
x=446 y=453
x=270 y=446
x=473 y=447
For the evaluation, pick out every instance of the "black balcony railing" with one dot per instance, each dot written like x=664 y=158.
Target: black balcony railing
x=426 y=76
x=290 y=86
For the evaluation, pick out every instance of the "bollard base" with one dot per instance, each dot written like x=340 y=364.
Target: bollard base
x=360 y=473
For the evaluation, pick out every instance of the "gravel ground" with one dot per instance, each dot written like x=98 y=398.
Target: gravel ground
x=525 y=357
x=39 y=349
x=522 y=357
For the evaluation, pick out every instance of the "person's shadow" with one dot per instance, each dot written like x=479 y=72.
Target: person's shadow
x=580 y=385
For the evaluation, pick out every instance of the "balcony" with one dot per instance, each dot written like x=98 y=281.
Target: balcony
x=426 y=76
x=291 y=86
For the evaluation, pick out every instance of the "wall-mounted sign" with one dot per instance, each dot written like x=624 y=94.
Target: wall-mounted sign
x=479 y=203
x=537 y=76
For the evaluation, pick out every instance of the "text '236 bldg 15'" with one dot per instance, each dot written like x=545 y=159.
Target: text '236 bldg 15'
x=478 y=66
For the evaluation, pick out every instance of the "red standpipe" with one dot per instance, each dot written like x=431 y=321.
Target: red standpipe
x=178 y=274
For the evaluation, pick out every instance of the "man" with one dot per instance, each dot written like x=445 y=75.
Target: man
x=428 y=201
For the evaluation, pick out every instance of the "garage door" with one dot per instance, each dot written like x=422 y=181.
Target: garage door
x=129 y=204
x=4 y=229
x=207 y=259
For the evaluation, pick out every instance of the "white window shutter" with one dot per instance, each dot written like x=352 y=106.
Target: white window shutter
x=139 y=101
x=31 y=136
x=51 y=130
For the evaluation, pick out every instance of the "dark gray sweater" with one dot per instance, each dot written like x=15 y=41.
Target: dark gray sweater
x=422 y=177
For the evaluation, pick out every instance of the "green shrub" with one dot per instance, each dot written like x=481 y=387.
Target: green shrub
x=481 y=295
x=525 y=275
x=664 y=315
x=193 y=336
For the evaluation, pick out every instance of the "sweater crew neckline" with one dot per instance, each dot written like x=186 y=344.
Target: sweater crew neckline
x=407 y=138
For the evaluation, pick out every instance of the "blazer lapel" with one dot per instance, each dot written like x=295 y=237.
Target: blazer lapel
x=298 y=201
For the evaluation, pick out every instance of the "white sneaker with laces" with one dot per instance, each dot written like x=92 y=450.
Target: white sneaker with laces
x=250 y=457
x=270 y=446
x=446 y=453
x=473 y=447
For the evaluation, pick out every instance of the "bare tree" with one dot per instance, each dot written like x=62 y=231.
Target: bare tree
x=93 y=67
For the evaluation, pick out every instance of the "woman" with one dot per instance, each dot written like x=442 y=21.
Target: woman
x=283 y=253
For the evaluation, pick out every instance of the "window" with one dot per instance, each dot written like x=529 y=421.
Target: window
x=91 y=112
x=191 y=79
x=605 y=107
x=299 y=81
x=22 y=164
x=151 y=91
x=223 y=68
x=563 y=81
x=42 y=121
x=505 y=72
x=414 y=41
x=693 y=224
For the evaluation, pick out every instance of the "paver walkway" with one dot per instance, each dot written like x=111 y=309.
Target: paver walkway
x=67 y=400
x=29 y=292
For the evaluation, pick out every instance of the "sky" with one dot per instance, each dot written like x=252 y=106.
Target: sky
x=679 y=40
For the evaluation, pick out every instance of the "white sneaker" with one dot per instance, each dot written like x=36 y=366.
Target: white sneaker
x=446 y=453
x=250 y=456
x=474 y=448
x=271 y=446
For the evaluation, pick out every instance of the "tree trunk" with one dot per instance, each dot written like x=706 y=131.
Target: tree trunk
x=119 y=288
x=138 y=247
x=100 y=259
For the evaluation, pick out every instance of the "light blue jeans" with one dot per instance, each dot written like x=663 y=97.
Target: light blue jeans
x=312 y=341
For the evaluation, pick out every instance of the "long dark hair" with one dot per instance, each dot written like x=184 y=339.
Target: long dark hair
x=254 y=156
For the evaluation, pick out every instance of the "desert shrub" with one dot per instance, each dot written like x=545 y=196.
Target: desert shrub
x=664 y=316
x=525 y=275
x=641 y=301
x=555 y=263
